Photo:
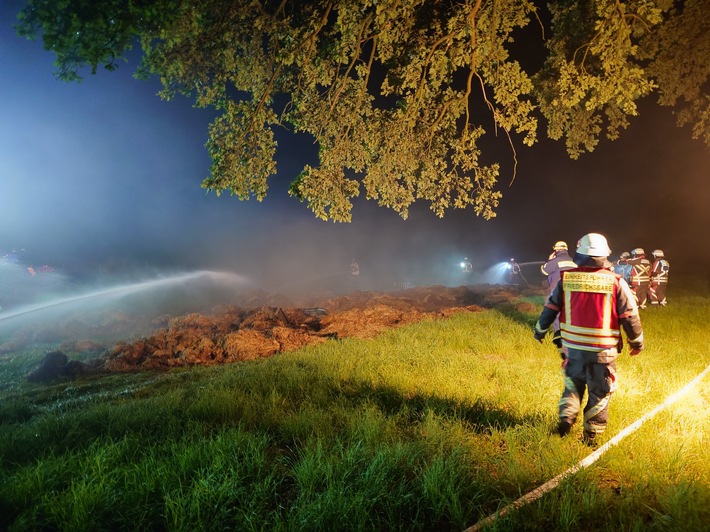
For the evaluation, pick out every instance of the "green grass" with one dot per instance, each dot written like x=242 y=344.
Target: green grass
x=428 y=427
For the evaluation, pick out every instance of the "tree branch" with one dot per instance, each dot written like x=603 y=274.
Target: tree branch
x=308 y=40
x=355 y=58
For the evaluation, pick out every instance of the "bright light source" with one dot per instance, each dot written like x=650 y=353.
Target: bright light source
x=463 y=265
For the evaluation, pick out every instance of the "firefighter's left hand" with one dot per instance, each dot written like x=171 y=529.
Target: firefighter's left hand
x=539 y=337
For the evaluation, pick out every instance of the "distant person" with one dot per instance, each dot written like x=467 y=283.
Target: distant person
x=514 y=272
x=659 y=278
x=640 y=276
x=354 y=274
x=13 y=256
x=622 y=266
x=593 y=304
x=556 y=263
x=466 y=265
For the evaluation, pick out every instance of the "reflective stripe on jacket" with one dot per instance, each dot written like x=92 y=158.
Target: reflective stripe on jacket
x=558 y=262
x=593 y=304
x=588 y=318
x=659 y=273
x=640 y=271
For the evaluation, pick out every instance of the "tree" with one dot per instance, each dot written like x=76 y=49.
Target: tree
x=397 y=94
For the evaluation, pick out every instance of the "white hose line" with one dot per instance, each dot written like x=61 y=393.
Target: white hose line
x=589 y=460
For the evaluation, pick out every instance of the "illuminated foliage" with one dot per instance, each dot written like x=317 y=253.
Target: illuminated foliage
x=397 y=94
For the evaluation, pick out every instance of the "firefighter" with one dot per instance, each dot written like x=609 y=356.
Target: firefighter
x=593 y=304
x=640 y=276
x=659 y=278
x=557 y=262
x=354 y=268
x=622 y=266
x=514 y=273
x=466 y=265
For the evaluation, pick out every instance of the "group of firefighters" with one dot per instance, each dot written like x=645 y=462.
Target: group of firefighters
x=647 y=280
x=589 y=301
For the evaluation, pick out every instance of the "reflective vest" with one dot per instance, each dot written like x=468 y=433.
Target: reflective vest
x=659 y=274
x=589 y=319
x=640 y=271
x=558 y=262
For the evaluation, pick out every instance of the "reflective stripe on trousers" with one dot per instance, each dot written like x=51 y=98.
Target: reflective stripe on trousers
x=657 y=292
x=594 y=372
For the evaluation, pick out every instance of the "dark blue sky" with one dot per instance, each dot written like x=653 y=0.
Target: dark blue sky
x=104 y=174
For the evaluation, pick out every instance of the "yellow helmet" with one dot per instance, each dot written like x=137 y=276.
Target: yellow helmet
x=560 y=244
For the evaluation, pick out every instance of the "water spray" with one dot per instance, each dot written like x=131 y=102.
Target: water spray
x=122 y=290
x=531 y=263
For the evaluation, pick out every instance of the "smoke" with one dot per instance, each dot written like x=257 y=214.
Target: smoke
x=102 y=179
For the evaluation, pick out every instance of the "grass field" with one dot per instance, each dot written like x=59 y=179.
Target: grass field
x=433 y=426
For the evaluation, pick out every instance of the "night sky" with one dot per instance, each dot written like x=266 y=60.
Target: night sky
x=103 y=174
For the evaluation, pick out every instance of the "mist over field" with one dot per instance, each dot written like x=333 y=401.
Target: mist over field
x=100 y=182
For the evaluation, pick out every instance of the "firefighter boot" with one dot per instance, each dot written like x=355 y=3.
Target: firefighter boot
x=590 y=438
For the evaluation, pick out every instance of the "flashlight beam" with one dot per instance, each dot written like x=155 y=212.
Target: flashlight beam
x=589 y=460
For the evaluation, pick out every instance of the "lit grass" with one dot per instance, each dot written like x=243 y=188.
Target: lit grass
x=431 y=426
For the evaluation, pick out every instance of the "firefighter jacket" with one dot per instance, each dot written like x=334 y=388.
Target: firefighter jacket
x=640 y=270
x=558 y=262
x=659 y=271
x=623 y=268
x=593 y=304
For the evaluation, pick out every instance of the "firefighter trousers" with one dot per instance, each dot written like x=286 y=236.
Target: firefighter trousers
x=595 y=373
x=640 y=291
x=657 y=292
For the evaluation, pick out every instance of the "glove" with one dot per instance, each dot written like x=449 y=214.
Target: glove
x=634 y=351
x=539 y=336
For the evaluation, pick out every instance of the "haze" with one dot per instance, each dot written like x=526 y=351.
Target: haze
x=104 y=176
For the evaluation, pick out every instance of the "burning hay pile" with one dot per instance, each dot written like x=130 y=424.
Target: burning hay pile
x=230 y=333
x=233 y=334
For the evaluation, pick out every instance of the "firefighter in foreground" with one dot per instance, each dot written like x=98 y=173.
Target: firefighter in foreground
x=557 y=262
x=659 y=278
x=593 y=304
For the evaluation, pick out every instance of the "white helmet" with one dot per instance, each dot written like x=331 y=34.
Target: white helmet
x=559 y=245
x=657 y=253
x=637 y=252
x=593 y=245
